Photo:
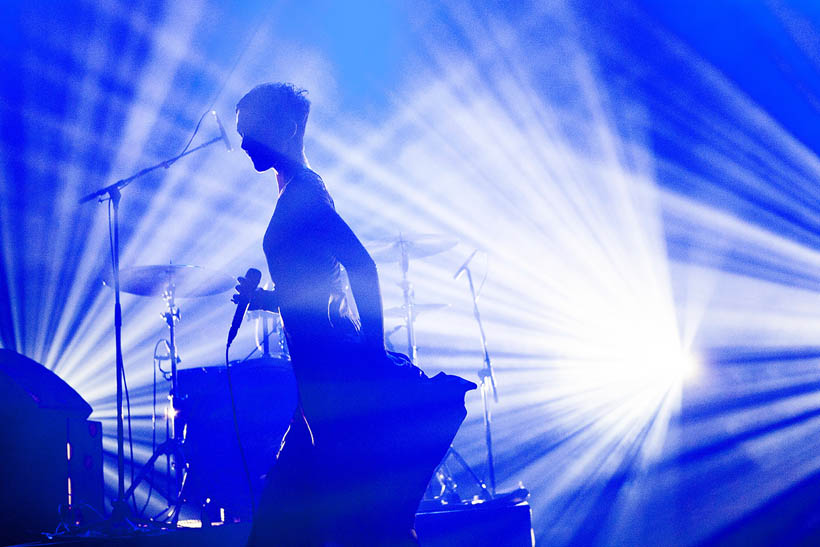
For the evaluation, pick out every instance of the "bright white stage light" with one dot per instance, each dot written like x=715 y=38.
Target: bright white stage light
x=689 y=366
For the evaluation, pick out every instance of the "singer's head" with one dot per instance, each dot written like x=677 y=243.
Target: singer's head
x=271 y=120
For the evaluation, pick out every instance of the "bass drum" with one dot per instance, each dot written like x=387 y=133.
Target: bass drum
x=264 y=392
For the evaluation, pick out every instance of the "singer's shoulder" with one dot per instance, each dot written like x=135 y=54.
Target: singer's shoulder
x=309 y=180
x=308 y=186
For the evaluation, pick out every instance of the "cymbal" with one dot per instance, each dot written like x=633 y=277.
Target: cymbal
x=414 y=246
x=398 y=311
x=186 y=281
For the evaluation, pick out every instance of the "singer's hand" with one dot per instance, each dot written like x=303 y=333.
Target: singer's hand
x=244 y=290
x=243 y=294
x=245 y=287
x=259 y=299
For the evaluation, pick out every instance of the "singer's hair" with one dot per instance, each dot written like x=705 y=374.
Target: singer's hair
x=276 y=100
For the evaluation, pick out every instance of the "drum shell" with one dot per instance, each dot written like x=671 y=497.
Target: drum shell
x=264 y=392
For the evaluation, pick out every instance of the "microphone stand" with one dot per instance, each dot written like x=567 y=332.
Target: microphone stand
x=119 y=506
x=486 y=373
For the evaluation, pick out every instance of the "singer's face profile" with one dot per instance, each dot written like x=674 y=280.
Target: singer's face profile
x=258 y=153
x=254 y=139
x=263 y=139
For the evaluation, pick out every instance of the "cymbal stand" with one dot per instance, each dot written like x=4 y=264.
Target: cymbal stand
x=175 y=439
x=487 y=383
x=409 y=301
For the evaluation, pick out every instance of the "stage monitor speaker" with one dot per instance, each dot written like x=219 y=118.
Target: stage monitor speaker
x=52 y=456
x=85 y=467
x=26 y=386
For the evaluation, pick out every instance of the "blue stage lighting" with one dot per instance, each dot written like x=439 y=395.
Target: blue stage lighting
x=643 y=202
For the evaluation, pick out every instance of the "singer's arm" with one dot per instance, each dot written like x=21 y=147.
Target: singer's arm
x=362 y=273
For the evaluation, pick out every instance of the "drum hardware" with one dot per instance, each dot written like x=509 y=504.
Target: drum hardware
x=401 y=311
x=409 y=296
x=269 y=323
x=170 y=281
x=448 y=489
x=401 y=250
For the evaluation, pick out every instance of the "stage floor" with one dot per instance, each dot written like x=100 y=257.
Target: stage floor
x=477 y=526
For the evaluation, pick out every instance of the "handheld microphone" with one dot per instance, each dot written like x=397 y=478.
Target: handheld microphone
x=464 y=266
x=252 y=279
x=222 y=132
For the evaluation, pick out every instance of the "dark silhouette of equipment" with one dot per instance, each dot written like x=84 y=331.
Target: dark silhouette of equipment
x=51 y=452
x=265 y=394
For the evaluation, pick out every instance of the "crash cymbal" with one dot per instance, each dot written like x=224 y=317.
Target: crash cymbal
x=398 y=311
x=409 y=245
x=186 y=281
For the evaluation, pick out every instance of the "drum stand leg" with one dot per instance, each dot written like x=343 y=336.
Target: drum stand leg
x=168 y=448
x=449 y=487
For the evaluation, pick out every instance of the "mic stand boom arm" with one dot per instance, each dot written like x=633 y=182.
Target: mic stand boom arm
x=119 y=515
x=120 y=184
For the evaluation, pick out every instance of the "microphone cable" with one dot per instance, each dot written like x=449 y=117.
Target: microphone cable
x=227 y=78
x=236 y=431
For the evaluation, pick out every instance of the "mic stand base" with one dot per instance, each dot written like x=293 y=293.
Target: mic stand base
x=121 y=517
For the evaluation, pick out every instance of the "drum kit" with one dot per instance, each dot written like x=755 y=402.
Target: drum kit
x=171 y=281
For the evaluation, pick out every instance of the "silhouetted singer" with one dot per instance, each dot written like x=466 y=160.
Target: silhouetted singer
x=370 y=427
